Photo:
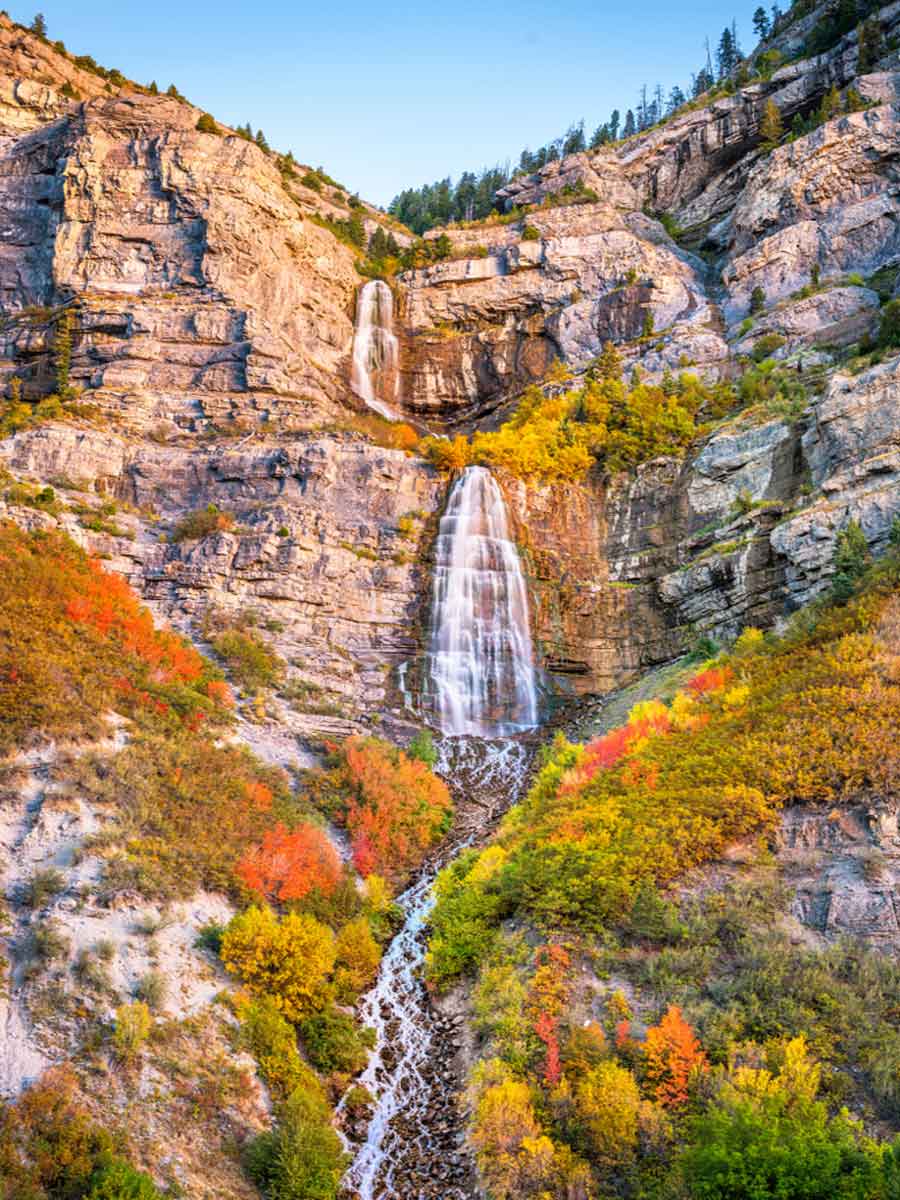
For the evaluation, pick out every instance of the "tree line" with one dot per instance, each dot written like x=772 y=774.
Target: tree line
x=473 y=195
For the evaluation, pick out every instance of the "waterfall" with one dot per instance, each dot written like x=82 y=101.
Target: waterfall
x=375 y=374
x=480 y=660
x=481 y=682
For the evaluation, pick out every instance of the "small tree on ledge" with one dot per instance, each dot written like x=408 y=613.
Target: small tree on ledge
x=772 y=126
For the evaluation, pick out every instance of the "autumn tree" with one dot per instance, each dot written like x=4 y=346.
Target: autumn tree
x=607 y=1102
x=393 y=806
x=771 y=128
x=287 y=960
x=289 y=864
x=672 y=1057
x=357 y=954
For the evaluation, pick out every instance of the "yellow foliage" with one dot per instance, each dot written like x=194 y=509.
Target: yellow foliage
x=133 y=1023
x=561 y=437
x=378 y=893
x=790 y=1074
x=357 y=953
x=288 y=960
x=489 y=863
x=607 y=1102
x=749 y=642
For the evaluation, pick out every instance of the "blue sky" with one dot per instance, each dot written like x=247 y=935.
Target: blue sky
x=391 y=95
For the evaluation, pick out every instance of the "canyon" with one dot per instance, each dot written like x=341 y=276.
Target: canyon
x=232 y=362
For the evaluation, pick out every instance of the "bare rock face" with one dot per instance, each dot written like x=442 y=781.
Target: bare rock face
x=326 y=549
x=478 y=329
x=838 y=316
x=167 y=237
x=826 y=200
x=851 y=449
x=200 y=288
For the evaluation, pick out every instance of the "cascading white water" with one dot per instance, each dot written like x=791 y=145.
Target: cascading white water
x=400 y=1153
x=374 y=374
x=481 y=677
x=483 y=688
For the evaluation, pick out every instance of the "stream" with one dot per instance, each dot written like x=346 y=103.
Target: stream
x=480 y=691
x=412 y=1148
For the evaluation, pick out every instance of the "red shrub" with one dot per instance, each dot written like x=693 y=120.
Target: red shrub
x=545 y=1028
x=712 y=680
x=394 y=807
x=291 y=864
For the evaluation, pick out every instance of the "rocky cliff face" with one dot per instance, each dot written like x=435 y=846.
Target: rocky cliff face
x=213 y=323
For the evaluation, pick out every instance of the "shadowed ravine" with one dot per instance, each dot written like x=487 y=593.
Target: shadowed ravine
x=482 y=689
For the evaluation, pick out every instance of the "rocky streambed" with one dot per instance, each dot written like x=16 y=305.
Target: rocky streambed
x=410 y=1144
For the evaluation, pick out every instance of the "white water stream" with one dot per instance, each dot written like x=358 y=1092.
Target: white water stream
x=374 y=373
x=483 y=683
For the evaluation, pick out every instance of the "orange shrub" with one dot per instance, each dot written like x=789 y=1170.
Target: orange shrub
x=672 y=1058
x=288 y=865
x=76 y=643
x=393 y=806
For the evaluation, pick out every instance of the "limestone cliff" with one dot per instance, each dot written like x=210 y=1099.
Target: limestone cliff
x=213 y=323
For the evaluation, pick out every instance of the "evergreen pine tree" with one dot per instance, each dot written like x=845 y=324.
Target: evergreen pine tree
x=761 y=25
x=261 y=141
x=39 y=26
x=378 y=243
x=62 y=353
x=851 y=558
x=870 y=45
x=726 y=55
x=614 y=122
x=609 y=363
x=830 y=106
x=629 y=129
x=152 y=88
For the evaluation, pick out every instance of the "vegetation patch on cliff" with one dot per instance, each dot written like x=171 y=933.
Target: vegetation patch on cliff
x=560 y=436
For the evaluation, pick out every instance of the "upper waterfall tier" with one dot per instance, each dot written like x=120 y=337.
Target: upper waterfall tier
x=481 y=676
x=375 y=375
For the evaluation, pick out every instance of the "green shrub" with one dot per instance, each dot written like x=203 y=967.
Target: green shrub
x=766 y=346
x=118 y=1180
x=889 y=329
x=206 y=124
x=272 y=1041
x=202 y=523
x=422 y=747
x=252 y=663
x=92 y=972
x=152 y=988
x=44 y=884
x=301 y=1159
x=48 y=943
x=209 y=937
x=334 y=1042
x=757 y=300
x=531 y=234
